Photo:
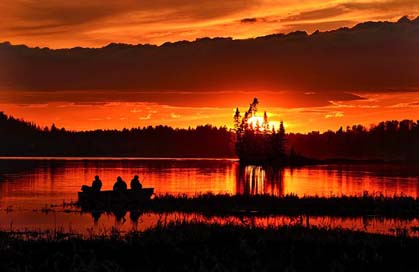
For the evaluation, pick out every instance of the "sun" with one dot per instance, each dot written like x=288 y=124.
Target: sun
x=255 y=122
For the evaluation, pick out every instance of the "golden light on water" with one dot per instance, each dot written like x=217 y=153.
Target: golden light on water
x=54 y=181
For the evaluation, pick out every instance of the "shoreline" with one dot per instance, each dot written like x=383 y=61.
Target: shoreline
x=310 y=161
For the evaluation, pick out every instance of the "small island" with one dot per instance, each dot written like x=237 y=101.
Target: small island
x=259 y=142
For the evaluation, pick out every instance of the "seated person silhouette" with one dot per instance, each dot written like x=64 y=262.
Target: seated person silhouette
x=135 y=183
x=96 y=186
x=119 y=185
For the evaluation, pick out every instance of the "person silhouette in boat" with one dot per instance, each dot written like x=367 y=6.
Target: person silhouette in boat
x=119 y=185
x=135 y=183
x=96 y=186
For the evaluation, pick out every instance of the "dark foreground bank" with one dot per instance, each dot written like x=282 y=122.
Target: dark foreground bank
x=200 y=247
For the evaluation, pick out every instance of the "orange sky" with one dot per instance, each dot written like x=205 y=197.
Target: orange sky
x=95 y=23
x=82 y=116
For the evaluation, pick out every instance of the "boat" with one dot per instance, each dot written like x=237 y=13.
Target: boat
x=112 y=199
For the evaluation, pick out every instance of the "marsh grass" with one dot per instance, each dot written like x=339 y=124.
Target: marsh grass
x=181 y=246
x=224 y=204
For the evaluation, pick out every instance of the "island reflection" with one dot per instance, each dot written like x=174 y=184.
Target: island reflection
x=258 y=180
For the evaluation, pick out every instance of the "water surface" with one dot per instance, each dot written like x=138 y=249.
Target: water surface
x=28 y=186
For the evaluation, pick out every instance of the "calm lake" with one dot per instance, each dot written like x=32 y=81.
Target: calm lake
x=29 y=185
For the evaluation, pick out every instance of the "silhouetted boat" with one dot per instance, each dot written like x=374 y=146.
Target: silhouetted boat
x=112 y=199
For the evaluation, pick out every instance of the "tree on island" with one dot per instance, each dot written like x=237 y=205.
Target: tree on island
x=255 y=140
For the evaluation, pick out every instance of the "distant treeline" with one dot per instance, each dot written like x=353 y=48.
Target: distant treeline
x=20 y=138
x=389 y=140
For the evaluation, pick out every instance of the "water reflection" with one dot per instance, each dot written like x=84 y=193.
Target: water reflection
x=28 y=186
x=253 y=180
x=96 y=215
x=35 y=183
x=120 y=215
x=104 y=223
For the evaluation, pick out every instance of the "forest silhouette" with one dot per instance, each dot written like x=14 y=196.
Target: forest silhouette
x=20 y=138
x=388 y=140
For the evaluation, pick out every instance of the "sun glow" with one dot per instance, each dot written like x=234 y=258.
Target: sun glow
x=257 y=123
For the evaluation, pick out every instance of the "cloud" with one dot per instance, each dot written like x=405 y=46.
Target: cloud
x=33 y=17
x=317 y=14
x=248 y=20
x=197 y=98
x=94 y=23
x=389 y=5
x=290 y=70
x=77 y=12
x=405 y=105
x=90 y=103
x=317 y=26
x=147 y=117
x=336 y=11
x=337 y=114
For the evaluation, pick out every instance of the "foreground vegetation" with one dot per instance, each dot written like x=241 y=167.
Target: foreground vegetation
x=200 y=247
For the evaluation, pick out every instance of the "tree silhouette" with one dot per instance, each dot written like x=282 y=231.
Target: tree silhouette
x=257 y=143
x=253 y=106
x=387 y=140
x=265 y=124
x=237 y=119
x=19 y=138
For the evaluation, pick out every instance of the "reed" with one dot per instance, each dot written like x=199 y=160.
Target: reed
x=212 y=247
x=224 y=204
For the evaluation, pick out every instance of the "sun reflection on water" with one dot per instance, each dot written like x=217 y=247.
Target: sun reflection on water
x=257 y=180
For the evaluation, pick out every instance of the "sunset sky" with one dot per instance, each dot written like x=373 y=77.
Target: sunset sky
x=96 y=23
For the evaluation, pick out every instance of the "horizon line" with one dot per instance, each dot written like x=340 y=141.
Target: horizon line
x=228 y=128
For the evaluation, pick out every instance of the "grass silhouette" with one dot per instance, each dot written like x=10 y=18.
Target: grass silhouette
x=212 y=247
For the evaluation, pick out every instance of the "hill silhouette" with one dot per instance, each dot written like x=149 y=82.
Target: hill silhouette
x=371 y=56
